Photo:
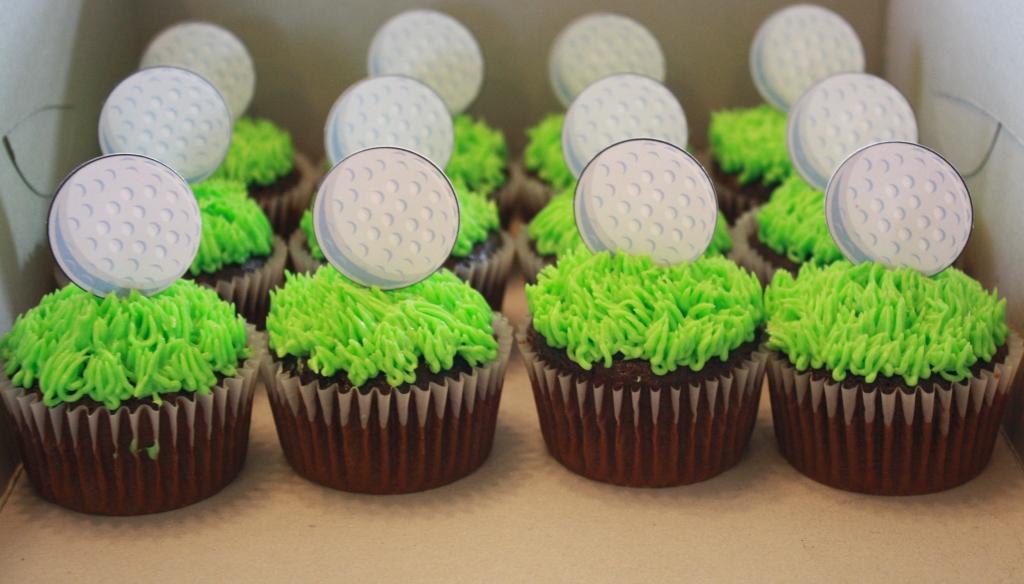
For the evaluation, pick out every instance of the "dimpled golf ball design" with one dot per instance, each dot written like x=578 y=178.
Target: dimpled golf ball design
x=597 y=45
x=839 y=116
x=210 y=51
x=386 y=217
x=169 y=114
x=124 y=222
x=901 y=205
x=646 y=197
x=389 y=111
x=433 y=48
x=799 y=46
x=618 y=108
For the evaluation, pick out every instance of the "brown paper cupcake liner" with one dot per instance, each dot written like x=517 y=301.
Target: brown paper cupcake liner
x=731 y=202
x=533 y=194
x=148 y=459
x=646 y=436
x=299 y=256
x=285 y=210
x=250 y=292
x=744 y=254
x=506 y=196
x=530 y=262
x=383 y=441
x=863 y=439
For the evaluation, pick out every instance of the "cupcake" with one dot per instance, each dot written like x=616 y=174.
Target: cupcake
x=239 y=256
x=480 y=160
x=788 y=231
x=124 y=405
x=397 y=392
x=644 y=375
x=482 y=256
x=280 y=179
x=543 y=166
x=886 y=381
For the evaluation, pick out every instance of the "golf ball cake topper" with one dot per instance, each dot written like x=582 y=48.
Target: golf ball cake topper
x=901 y=205
x=211 y=51
x=595 y=46
x=798 y=46
x=386 y=217
x=646 y=197
x=840 y=115
x=434 y=48
x=389 y=111
x=170 y=114
x=617 y=108
x=124 y=222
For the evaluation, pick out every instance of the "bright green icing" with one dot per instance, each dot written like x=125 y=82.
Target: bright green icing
x=598 y=306
x=260 y=153
x=543 y=154
x=478 y=218
x=74 y=345
x=480 y=155
x=869 y=321
x=234 y=226
x=792 y=223
x=553 y=230
x=751 y=144
x=371 y=332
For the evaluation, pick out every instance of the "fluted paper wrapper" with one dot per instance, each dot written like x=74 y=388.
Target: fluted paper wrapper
x=507 y=196
x=385 y=441
x=250 y=292
x=302 y=261
x=746 y=256
x=646 y=436
x=530 y=262
x=99 y=462
x=285 y=210
x=898 y=443
x=533 y=193
x=731 y=202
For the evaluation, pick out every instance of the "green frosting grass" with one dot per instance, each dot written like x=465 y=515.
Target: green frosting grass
x=478 y=218
x=480 y=156
x=543 y=154
x=74 y=345
x=260 y=153
x=371 y=332
x=792 y=223
x=751 y=144
x=234 y=226
x=553 y=231
x=869 y=320
x=599 y=306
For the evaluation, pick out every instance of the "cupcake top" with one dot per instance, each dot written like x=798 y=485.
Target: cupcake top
x=751 y=144
x=480 y=155
x=373 y=333
x=75 y=345
x=260 y=154
x=478 y=218
x=235 y=228
x=543 y=154
x=871 y=321
x=601 y=306
x=792 y=223
x=553 y=231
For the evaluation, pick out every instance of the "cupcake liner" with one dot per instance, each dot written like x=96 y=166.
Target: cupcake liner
x=102 y=462
x=530 y=262
x=299 y=256
x=285 y=210
x=533 y=194
x=506 y=196
x=732 y=203
x=384 y=441
x=645 y=436
x=744 y=254
x=250 y=292
x=863 y=439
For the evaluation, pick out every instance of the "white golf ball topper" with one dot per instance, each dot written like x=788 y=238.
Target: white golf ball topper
x=646 y=197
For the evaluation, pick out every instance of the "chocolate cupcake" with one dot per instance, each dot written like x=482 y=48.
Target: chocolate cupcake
x=397 y=392
x=644 y=375
x=543 y=168
x=886 y=381
x=239 y=256
x=124 y=405
x=480 y=160
x=748 y=157
x=280 y=179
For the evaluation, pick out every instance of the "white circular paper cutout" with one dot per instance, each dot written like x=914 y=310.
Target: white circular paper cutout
x=617 y=108
x=601 y=44
x=124 y=222
x=211 y=51
x=434 y=48
x=169 y=114
x=646 y=197
x=799 y=46
x=389 y=111
x=901 y=205
x=839 y=116
x=386 y=217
